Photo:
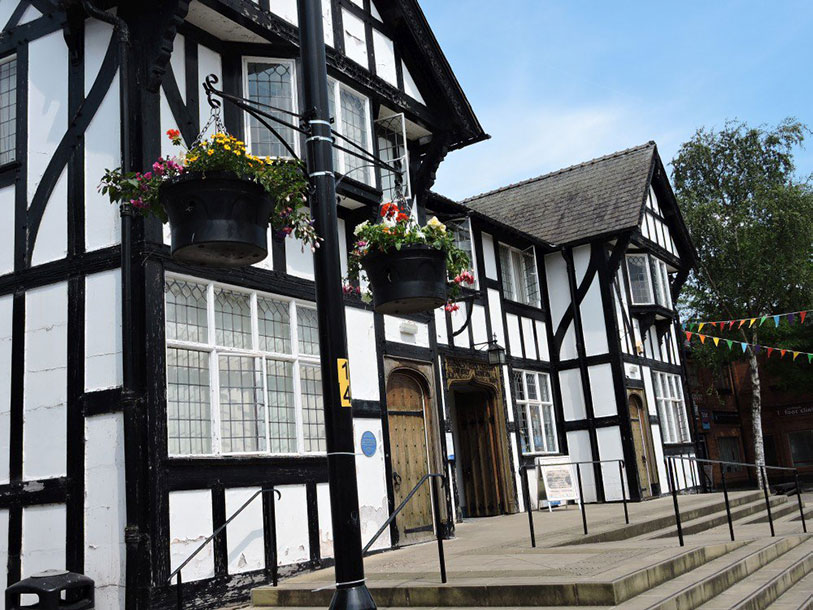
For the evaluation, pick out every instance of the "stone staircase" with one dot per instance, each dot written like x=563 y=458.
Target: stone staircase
x=625 y=566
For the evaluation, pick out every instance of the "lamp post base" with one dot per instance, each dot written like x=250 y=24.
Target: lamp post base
x=353 y=598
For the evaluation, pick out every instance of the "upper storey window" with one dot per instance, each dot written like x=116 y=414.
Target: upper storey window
x=351 y=120
x=463 y=240
x=649 y=280
x=271 y=82
x=8 y=110
x=519 y=279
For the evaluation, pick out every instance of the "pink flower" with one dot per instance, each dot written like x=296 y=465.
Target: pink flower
x=158 y=168
x=148 y=176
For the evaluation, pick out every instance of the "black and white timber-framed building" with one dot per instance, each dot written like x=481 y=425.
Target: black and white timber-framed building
x=142 y=402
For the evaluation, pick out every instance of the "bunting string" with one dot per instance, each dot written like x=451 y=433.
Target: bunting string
x=730 y=343
x=792 y=317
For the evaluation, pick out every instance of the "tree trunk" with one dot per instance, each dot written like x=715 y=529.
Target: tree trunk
x=756 y=413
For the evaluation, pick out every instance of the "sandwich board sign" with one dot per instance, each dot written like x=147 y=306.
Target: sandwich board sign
x=560 y=483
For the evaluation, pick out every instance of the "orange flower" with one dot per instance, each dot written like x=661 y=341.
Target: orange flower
x=173 y=134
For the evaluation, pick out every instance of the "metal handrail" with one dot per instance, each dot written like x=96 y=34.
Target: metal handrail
x=177 y=571
x=526 y=491
x=761 y=468
x=436 y=505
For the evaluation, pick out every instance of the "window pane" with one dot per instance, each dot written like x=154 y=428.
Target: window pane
x=354 y=127
x=519 y=386
x=242 y=424
x=550 y=428
x=274 y=324
x=313 y=414
x=520 y=286
x=331 y=103
x=801 y=447
x=462 y=238
x=271 y=83
x=189 y=427
x=507 y=273
x=544 y=388
x=232 y=319
x=186 y=311
x=8 y=111
x=307 y=327
x=523 y=429
x=530 y=379
x=281 y=409
x=389 y=132
x=531 y=282
x=639 y=279
x=536 y=427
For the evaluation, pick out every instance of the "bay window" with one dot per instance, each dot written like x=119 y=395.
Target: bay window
x=271 y=82
x=243 y=372
x=671 y=408
x=649 y=280
x=8 y=110
x=519 y=279
x=534 y=401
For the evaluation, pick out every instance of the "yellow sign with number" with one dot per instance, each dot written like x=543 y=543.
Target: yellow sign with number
x=344 y=382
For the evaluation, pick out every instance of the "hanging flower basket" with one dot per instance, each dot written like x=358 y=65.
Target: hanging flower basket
x=409 y=268
x=219 y=200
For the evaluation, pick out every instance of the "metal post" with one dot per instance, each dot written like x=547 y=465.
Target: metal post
x=526 y=492
x=799 y=501
x=692 y=470
x=351 y=590
x=623 y=491
x=438 y=530
x=767 y=498
x=581 y=497
x=671 y=475
x=178 y=595
x=727 y=505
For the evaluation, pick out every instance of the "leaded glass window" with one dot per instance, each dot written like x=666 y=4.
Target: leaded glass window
x=271 y=83
x=351 y=120
x=241 y=376
x=536 y=420
x=8 y=110
x=640 y=281
x=671 y=408
x=519 y=278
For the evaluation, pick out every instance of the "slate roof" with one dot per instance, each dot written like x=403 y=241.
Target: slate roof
x=595 y=198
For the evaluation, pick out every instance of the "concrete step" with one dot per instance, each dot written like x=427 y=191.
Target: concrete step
x=697 y=587
x=641 y=528
x=710 y=521
x=503 y=593
x=790 y=508
x=798 y=597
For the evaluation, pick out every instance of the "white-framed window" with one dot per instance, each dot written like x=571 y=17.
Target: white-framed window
x=273 y=82
x=351 y=120
x=537 y=423
x=8 y=109
x=243 y=373
x=463 y=238
x=519 y=278
x=660 y=279
x=671 y=408
x=649 y=280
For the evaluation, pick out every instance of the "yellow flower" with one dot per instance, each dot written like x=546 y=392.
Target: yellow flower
x=227 y=147
x=436 y=224
x=237 y=152
x=210 y=152
x=192 y=159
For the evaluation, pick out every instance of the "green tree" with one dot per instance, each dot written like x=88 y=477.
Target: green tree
x=751 y=220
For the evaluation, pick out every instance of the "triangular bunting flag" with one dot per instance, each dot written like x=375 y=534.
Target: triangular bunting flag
x=702 y=338
x=810 y=358
x=795 y=354
x=752 y=322
x=716 y=341
x=757 y=349
x=776 y=321
x=802 y=315
x=700 y=327
x=731 y=324
x=729 y=341
x=792 y=318
x=741 y=323
x=770 y=351
x=688 y=336
x=744 y=346
x=762 y=320
x=782 y=353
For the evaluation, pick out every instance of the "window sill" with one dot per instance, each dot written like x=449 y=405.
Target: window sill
x=10 y=166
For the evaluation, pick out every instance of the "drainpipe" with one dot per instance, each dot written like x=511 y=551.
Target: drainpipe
x=134 y=537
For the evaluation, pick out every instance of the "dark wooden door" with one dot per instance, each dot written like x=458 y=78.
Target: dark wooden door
x=478 y=454
x=641 y=440
x=410 y=459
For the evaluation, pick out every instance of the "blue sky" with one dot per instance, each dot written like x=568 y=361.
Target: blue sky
x=558 y=82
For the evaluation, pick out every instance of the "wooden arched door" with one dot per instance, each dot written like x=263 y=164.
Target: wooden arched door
x=642 y=441
x=406 y=406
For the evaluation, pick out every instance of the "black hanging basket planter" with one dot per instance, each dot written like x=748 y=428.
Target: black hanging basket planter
x=217 y=219
x=410 y=280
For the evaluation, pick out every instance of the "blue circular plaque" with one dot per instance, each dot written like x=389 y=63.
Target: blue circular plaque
x=368 y=444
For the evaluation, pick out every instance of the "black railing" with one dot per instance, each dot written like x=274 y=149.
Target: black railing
x=436 y=508
x=177 y=572
x=760 y=469
x=526 y=491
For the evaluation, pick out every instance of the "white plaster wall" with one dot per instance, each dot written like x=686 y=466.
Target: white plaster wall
x=559 y=293
x=105 y=508
x=610 y=447
x=52 y=237
x=410 y=88
x=45 y=387
x=578 y=445
x=458 y=320
x=514 y=338
x=384 y=58
x=440 y=326
x=327 y=22
x=5 y=388
x=478 y=325
x=508 y=389
x=581 y=260
x=542 y=340
x=298 y=258
x=341 y=233
x=568 y=349
x=190 y=523
x=657 y=446
x=285 y=9
x=291 y=511
x=495 y=313
x=372 y=483
x=325 y=521
x=7 y=197
x=528 y=336
x=167 y=122
x=649 y=390
x=406 y=331
x=362 y=354
x=268 y=262
x=44 y=530
x=209 y=62
x=489 y=256
x=572 y=394
x=103 y=360
x=244 y=536
x=355 y=38
x=602 y=389
x=3 y=555
x=592 y=313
